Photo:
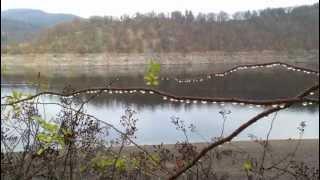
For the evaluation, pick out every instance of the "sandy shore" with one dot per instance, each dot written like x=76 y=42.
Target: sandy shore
x=241 y=57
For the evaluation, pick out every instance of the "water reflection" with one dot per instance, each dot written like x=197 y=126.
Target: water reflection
x=154 y=113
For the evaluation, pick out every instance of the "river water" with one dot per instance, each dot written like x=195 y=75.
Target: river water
x=155 y=114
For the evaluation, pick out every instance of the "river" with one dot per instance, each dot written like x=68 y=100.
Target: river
x=155 y=114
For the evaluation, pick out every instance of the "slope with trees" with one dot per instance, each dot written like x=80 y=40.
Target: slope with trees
x=269 y=29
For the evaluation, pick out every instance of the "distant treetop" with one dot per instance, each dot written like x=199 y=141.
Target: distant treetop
x=268 y=29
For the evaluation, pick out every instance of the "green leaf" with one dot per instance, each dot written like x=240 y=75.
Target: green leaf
x=247 y=165
x=135 y=162
x=66 y=131
x=40 y=151
x=154 y=159
x=50 y=134
x=51 y=127
x=121 y=164
x=100 y=163
x=83 y=168
x=45 y=138
x=148 y=78
x=155 y=83
x=16 y=95
x=152 y=73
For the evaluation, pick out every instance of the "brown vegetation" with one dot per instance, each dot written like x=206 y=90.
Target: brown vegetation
x=269 y=29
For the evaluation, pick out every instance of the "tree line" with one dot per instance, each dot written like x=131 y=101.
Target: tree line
x=269 y=29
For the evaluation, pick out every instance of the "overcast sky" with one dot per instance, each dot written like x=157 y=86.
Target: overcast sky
x=86 y=8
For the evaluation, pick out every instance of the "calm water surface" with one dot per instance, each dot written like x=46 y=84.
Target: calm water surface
x=154 y=114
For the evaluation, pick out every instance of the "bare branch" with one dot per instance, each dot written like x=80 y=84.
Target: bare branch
x=238 y=131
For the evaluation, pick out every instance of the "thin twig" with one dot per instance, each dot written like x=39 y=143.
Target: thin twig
x=238 y=131
x=265 y=146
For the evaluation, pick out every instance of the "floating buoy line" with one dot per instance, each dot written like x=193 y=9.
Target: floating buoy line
x=200 y=100
x=244 y=67
x=306 y=101
x=194 y=100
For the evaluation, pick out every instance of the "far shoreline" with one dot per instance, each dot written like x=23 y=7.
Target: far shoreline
x=127 y=59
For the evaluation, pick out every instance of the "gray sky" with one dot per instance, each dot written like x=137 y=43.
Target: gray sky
x=86 y=8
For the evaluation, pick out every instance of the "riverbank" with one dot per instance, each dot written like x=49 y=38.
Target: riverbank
x=110 y=59
x=229 y=162
x=234 y=154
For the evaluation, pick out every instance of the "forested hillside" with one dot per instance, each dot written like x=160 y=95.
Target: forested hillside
x=268 y=29
x=20 y=25
x=16 y=30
